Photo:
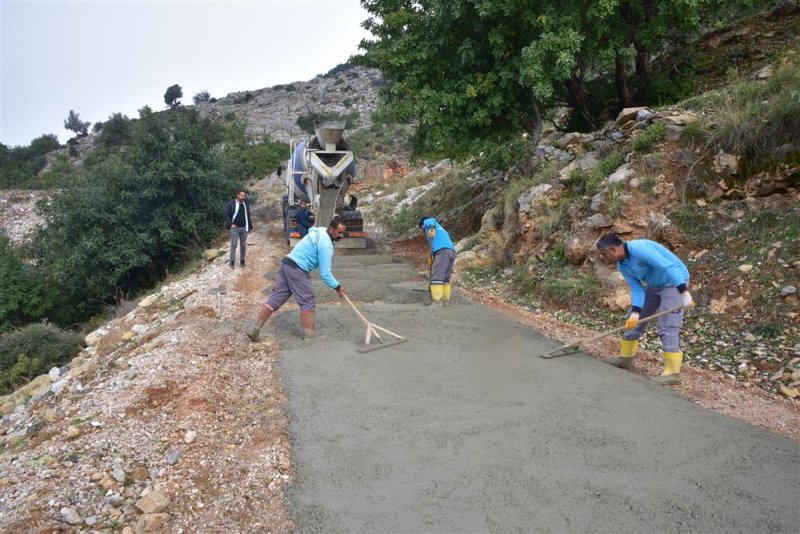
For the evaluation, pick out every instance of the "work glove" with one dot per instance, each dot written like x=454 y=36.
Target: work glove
x=340 y=291
x=632 y=321
x=686 y=300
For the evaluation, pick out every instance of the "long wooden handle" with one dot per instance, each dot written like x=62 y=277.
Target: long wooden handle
x=350 y=302
x=619 y=329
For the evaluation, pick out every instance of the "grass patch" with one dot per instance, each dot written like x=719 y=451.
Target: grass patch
x=757 y=120
x=649 y=137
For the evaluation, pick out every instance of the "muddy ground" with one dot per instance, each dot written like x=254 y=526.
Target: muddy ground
x=464 y=428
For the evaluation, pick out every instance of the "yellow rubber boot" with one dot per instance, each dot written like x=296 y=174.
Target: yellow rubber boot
x=446 y=294
x=627 y=350
x=437 y=293
x=672 y=369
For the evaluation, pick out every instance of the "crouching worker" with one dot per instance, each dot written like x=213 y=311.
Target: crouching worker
x=443 y=257
x=658 y=281
x=315 y=250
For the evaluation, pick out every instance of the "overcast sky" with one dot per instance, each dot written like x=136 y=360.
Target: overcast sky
x=104 y=57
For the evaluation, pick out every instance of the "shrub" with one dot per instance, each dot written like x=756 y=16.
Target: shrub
x=646 y=139
x=42 y=345
x=611 y=163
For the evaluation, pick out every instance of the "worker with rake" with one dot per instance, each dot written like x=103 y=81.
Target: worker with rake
x=314 y=251
x=658 y=281
x=441 y=260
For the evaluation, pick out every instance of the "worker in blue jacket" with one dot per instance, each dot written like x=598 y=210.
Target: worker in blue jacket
x=303 y=216
x=658 y=281
x=441 y=260
x=314 y=251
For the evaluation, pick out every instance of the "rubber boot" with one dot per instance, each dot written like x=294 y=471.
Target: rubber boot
x=672 y=369
x=254 y=332
x=309 y=324
x=446 y=295
x=627 y=350
x=437 y=294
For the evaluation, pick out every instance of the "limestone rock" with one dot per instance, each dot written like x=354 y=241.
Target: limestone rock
x=71 y=515
x=153 y=503
x=726 y=164
x=151 y=522
x=212 y=254
x=628 y=114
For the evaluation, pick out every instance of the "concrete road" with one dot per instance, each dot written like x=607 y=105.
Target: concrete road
x=465 y=429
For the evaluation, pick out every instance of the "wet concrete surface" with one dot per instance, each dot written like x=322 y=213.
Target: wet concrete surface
x=465 y=429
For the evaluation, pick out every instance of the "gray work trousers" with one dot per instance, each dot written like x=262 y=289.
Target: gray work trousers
x=442 y=269
x=238 y=235
x=669 y=326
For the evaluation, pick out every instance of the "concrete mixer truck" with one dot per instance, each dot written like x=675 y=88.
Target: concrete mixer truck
x=320 y=171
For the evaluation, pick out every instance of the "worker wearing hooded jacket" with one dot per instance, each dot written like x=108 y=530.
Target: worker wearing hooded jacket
x=658 y=281
x=443 y=255
x=314 y=251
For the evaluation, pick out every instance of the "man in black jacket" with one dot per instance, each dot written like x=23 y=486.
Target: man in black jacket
x=238 y=221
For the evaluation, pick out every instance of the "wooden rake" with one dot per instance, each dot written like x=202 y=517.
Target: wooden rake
x=574 y=347
x=375 y=330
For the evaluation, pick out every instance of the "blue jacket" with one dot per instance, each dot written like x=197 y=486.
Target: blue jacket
x=649 y=262
x=437 y=236
x=303 y=222
x=316 y=250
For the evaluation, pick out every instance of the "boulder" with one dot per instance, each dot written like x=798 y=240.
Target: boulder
x=578 y=245
x=628 y=114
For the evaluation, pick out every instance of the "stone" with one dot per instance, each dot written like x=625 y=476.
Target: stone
x=140 y=473
x=54 y=374
x=127 y=336
x=147 y=301
x=212 y=254
x=788 y=291
x=70 y=515
x=152 y=503
x=190 y=436
x=93 y=338
x=119 y=475
x=442 y=165
x=128 y=530
x=151 y=522
x=643 y=115
x=746 y=268
x=726 y=164
x=108 y=482
x=172 y=457
x=765 y=72
x=792 y=393
x=58 y=386
x=598 y=220
x=628 y=114
x=680 y=119
x=617 y=136
x=620 y=175
x=139 y=329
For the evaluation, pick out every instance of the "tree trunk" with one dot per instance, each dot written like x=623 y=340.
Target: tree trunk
x=578 y=99
x=643 y=70
x=534 y=127
x=620 y=78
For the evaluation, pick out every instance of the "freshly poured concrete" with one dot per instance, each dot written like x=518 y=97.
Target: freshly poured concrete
x=464 y=428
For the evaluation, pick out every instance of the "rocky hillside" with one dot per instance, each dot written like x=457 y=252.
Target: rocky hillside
x=274 y=110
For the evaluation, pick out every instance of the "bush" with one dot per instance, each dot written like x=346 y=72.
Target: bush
x=646 y=139
x=755 y=120
x=33 y=350
x=24 y=296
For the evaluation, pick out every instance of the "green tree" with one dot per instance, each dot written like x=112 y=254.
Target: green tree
x=201 y=97
x=472 y=72
x=116 y=131
x=74 y=123
x=173 y=95
x=136 y=214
